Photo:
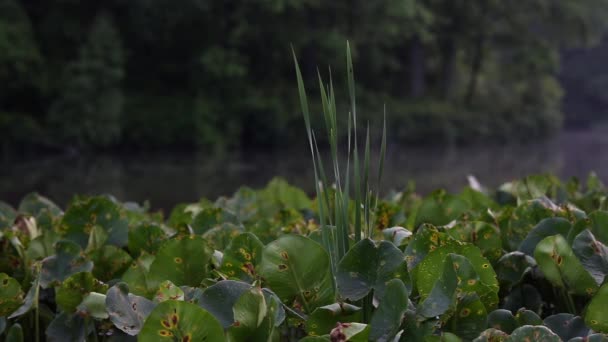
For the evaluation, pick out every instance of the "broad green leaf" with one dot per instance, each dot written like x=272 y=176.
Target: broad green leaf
x=533 y=333
x=43 y=245
x=492 y=335
x=30 y=298
x=68 y=259
x=82 y=215
x=441 y=297
x=72 y=290
x=482 y=234
x=126 y=310
x=439 y=209
x=241 y=257
x=219 y=299
x=94 y=305
x=15 y=333
x=547 y=227
x=209 y=218
x=219 y=237
x=67 y=327
x=7 y=215
x=297 y=269
x=425 y=240
x=146 y=237
x=566 y=326
x=11 y=295
x=34 y=204
x=599 y=222
x=137 y=276
x=253 y=317
x=432 y=267
x=369 y=266
x=110 y=262
x=592 y=254
x=325 y=318
x=523 y=296
x=386 y=320
x=527 y=317
x=512 y=267
x=354 y=332
x=469 y=319
x=396 y=235
x=595 y=314
x=183 y=261
x=180 y=321
x=502 y=320
x=168 y=291
x=520 y=222
x=560 y=266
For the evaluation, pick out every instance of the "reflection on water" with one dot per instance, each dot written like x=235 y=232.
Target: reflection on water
x=168 y=179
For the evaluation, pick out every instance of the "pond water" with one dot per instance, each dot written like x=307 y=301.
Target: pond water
x=170 y=178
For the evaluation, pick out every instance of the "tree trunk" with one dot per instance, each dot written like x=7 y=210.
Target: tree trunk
x=478 y=56
x=448 y=68
x=417 y=68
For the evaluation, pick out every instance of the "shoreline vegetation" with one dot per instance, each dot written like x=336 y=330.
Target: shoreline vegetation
x=202 y=74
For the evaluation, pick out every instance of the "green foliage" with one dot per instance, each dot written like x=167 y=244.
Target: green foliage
x=88 y=111
x=440 y=283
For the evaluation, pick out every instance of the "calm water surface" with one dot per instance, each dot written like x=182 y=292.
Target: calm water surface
x=170 y=178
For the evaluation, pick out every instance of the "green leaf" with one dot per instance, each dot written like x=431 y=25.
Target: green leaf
x=110 y=262
x=527 y=317
x=219 y=299
x=482 y=234
x=34 y=204
x=181 y=321
x=168 y=291
x=126 y=310
x=599 y=222
x=386 y=320
x=566 y=326
x=426 y=239
x=354 y=332
x=146 y=237
x=219 y=237
x=502 y=320
x=595 y=314
x=533 y=333
x=439 y=208
x=66 y=327
x=480 y=273
x=7 y=215
x=183 y=261
x=15 y=333
x=512 y=267
x=442 y=295
x=298 y=270
x=68 y=259
x=94 y=305
x=136 y=276
x=523 y=296
x=253 y=318
x=72 y=291
x=241 y=257
x=209 y=218
x=492 y=335
x=43 y=245
x=560 y=266
x=521 y=221
x=11 y=295
x=369 y=266
x=82 y=215
x=469 y=319
x=30 y=299
x=592 y=254
x=325 y=318
x=547 y=227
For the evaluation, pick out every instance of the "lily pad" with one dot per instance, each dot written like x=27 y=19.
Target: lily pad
x=183 y=261
x=180 y=321
x=242 y=256
x=11 y=295
x=126 y=310
x=68 y=259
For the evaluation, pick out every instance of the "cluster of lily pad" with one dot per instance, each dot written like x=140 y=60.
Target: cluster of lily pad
x=524 y=262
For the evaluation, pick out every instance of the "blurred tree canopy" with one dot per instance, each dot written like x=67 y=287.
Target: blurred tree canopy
x=156 y=73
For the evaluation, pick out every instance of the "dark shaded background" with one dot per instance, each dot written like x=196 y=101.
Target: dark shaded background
x=135 y=84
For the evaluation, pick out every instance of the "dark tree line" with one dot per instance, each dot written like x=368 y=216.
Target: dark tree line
x=147 y=73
